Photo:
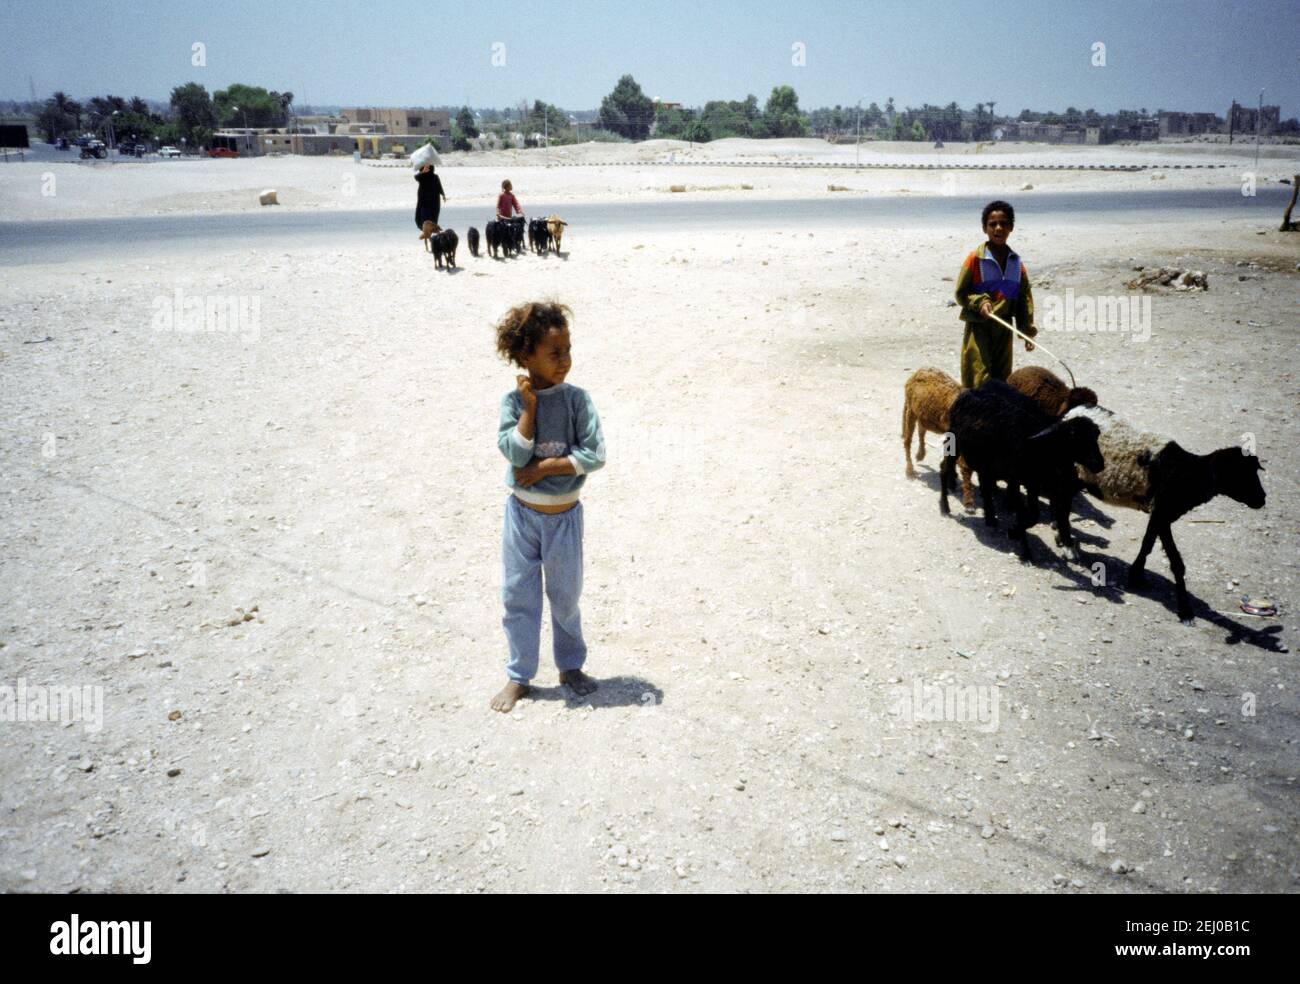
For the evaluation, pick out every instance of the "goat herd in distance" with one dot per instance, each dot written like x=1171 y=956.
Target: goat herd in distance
x=505 y=237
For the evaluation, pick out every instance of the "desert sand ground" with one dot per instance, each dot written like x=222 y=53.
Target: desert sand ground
x=762 y=581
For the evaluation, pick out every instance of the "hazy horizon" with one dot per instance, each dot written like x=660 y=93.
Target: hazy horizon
x=1189 y=56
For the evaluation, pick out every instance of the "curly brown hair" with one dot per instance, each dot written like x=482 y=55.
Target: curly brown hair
x=525 y=325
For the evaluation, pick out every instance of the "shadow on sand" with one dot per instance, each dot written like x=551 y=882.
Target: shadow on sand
x=1155 y=587
x=619 y=691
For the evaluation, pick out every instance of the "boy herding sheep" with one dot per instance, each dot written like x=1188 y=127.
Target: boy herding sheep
x=993 y=282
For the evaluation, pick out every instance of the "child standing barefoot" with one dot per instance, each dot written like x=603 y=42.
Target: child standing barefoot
x=551 y=436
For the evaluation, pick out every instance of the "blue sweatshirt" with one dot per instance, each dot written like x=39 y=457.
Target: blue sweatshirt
x=566 y=427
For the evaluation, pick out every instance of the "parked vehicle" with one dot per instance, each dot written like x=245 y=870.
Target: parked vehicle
x=222 y=152
x=168 y=152
x=93 y=148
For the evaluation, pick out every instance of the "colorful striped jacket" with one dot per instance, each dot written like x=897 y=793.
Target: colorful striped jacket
x=982 y=279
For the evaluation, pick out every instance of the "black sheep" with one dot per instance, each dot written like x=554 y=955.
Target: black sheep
x=444 y=248
x=1003 y=434
x=496 y=237
x=471 y=237
x=515 y=232
x=1156 y=475
x=539 y=236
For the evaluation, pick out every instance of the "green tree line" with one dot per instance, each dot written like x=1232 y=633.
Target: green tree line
x=193 y=115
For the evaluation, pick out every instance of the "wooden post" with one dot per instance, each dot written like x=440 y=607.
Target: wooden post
x=1287 y=224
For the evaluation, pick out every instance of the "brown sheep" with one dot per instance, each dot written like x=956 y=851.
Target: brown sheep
x=428 y=230
x=928 y=395
x=1049 y=391
x=555 y=226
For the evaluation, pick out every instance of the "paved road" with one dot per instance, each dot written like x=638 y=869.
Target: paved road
x=70 y=241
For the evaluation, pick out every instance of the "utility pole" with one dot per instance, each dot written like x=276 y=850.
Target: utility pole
x=244 y=141
x=857 y=137
x=1259 y=123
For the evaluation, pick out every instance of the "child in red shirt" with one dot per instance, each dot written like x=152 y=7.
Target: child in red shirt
x=507 y=203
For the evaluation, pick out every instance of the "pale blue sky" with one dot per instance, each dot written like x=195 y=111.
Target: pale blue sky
x=1169 y=54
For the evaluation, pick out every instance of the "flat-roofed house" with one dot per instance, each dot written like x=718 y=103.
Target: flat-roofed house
x=401 y=122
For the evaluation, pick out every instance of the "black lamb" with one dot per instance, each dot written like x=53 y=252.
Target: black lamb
x=1158 y=476
x=515 y=232
x=1004 y=435
x=444 y=248
x=539 y=236
x=497 y=239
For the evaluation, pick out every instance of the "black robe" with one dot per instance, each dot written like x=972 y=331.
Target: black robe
x=429 y=202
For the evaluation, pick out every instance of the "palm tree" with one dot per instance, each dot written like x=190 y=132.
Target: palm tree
x=139 y=106
x=69 y=107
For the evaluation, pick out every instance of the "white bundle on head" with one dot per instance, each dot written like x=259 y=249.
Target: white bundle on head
x=427 y=154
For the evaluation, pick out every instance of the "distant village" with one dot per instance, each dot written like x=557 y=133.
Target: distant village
x=250 y=121
x=374 y=132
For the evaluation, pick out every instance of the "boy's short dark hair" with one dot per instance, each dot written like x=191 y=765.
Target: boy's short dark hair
x=999 y=206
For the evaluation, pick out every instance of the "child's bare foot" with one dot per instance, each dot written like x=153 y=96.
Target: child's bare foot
x=511 y=692
x=579 y=682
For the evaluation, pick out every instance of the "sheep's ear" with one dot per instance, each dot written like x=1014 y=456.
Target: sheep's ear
x=1044 y=434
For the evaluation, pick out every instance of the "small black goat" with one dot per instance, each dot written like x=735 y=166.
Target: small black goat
x=1156 y=475
x=444 y=248
x=471 y=237
x=539 y=236
x=1004 y=435
x=497 y=238
x=515 y=235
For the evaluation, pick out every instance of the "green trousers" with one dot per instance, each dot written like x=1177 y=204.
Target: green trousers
x=985 y=353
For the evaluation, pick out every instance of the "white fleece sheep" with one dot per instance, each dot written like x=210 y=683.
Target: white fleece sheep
x=1126 y=479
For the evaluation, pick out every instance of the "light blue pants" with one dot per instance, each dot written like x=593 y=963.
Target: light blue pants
x=535 y=543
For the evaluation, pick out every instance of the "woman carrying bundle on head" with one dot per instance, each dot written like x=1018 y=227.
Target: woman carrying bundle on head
x=428 y=202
